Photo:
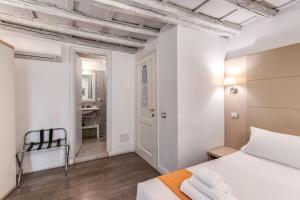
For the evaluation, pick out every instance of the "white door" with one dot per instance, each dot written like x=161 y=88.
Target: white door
x=7 y=121
x=78 y=101
x=146 y=144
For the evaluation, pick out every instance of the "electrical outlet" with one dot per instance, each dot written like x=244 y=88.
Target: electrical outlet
x=124 y=137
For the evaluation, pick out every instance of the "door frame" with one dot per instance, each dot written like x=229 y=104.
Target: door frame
x=156 y=122
x=74 y=50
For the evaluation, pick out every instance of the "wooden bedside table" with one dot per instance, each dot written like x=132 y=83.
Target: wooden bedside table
x=220 y=152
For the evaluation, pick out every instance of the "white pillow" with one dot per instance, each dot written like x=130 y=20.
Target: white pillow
x=281 y=148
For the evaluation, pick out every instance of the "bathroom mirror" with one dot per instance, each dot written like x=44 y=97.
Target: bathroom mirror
x=88 y=87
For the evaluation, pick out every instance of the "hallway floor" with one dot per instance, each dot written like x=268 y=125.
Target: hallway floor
x=112 y=178
x=91 y=149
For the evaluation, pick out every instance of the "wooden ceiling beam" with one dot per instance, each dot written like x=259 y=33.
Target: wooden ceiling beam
x=63 y=38
x=77 y=16
x=254 y=7
x=172 y=14
x=70 y=30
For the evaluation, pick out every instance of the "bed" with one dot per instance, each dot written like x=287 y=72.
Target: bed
x=250 y=177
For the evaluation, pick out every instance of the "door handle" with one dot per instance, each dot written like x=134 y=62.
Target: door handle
x=152 y=110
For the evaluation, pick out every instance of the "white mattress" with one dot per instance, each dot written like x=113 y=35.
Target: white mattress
x=251 y=178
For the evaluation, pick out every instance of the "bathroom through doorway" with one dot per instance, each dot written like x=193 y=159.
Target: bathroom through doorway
x=91 y=90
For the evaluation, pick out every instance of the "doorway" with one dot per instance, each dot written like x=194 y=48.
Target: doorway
x=91 y=100
x=146 y=116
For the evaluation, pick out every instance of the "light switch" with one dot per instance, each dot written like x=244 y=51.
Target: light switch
x=163 y=115
x=235 y=115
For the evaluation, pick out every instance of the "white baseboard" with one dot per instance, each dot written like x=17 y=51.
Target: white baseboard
x=60 y=163
x=49 y=165
x=90 y=158
x=117 y=153
x=8 y=193
x=71 y=161
x=162 y=169
x=37 y=168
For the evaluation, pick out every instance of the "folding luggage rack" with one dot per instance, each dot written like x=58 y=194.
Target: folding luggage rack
x=57 y=137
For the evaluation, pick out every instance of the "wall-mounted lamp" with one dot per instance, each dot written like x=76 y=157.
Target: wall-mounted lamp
x=231 y=81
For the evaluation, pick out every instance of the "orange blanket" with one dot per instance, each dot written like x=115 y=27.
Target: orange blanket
x=173 y=181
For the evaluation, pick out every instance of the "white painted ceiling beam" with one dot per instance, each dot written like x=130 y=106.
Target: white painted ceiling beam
x=64 y=38
x=254 y=7
x=187 y=15
x=70 y=4
x=109 y=16
x=70 y=30
x=76 y=16
x=171 y=14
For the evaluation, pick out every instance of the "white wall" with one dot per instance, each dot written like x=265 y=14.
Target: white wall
x=190 y=90
x=123 y=102
x=199 y=65
x=192 y=79
x=283 y=30
x=200 y=95
x=31 y=44
x=42 y=97
x=41 y=103
x=7 y=122
x=166 y=48
x=167 y=100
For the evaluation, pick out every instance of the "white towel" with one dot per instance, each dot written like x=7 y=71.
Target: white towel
x=208 y=177
x=187 y=188
x=214 y=193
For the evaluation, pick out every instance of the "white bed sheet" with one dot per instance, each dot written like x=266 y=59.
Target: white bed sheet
x=251 y=178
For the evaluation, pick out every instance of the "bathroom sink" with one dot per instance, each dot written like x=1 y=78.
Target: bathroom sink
x=89 y=110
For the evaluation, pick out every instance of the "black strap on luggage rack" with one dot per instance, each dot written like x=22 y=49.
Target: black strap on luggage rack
x=50 y=138
x=43 y=145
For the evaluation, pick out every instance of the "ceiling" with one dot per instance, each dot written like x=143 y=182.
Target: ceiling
x=226 y=11
x=126 y=25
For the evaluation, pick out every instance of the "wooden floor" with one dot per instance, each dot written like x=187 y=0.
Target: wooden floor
x=113 y=178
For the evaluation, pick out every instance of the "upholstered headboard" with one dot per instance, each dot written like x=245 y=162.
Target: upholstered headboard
x=271 y=96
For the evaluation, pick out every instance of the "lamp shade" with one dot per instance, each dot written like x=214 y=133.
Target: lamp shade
x=230 y=81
